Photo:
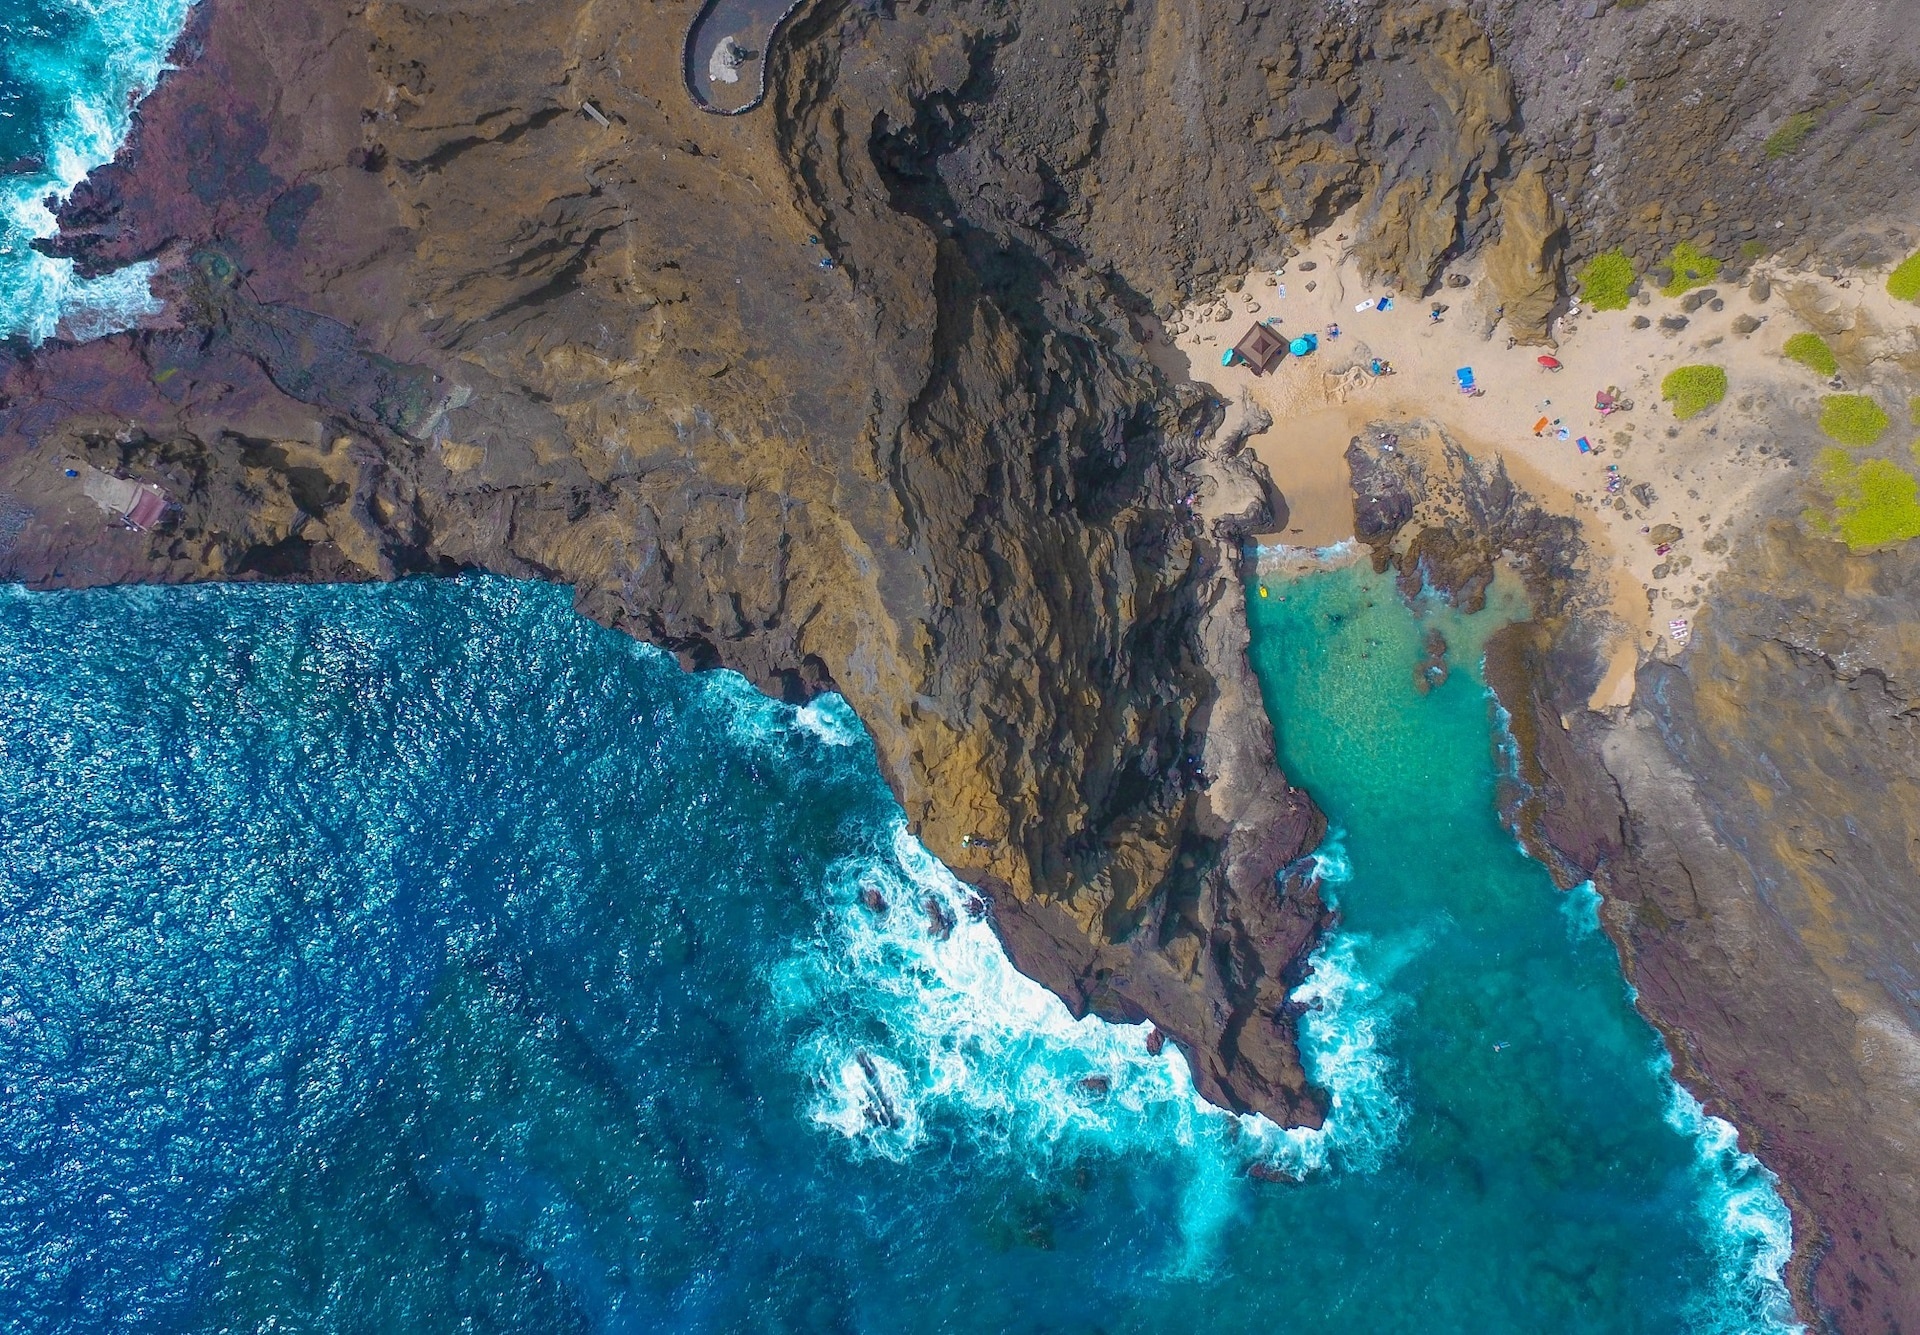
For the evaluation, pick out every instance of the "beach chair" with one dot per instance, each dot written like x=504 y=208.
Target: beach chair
x=1465 y=376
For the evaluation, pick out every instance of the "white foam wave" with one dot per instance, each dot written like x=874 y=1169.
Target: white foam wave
x=831 y=719
x=1580 y=906
x=1744 y=1215
x=116 y=55
x=1284 y=558
x=921 y=1033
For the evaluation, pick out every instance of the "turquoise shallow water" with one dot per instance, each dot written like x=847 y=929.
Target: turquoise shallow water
x=69 y=71
x=424 y=957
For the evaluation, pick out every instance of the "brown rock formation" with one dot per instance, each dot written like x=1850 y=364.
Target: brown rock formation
x=1524 y=263
x=425 y=314
x=425 y=311
x=1750 y=822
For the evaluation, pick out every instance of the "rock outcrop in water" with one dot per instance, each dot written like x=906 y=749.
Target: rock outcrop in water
x=852 y=392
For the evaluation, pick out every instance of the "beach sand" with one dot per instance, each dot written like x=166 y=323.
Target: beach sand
x=1702 y=476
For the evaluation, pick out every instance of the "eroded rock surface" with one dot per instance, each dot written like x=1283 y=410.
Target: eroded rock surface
x=1750 y=821
x=852 y=393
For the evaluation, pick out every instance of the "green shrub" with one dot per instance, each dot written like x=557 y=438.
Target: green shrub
x=1694 y=389
x=1875 y=501
x=1904 y=281
x=1692 y=267
x=1812 y=352
x=1604 y=283
x=1792 y=133
x=1852 y=419
x=1619 y=83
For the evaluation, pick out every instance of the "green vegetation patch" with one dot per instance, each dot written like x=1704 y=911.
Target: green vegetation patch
x=1904 y=281
x=1694 y=389
x=1790 y=134
x=1852 y=419
x=1913 y=410
x=1692 y=267
x=1606 y=281
x=1812 y=352
x=1875 y=501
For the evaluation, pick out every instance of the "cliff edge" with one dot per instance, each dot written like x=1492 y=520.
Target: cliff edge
x=853 y=392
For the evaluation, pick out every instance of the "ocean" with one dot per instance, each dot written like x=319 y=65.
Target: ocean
x=424 y=957
x=70 y=72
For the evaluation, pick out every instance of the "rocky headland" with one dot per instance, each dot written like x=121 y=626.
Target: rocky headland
x=857 y=392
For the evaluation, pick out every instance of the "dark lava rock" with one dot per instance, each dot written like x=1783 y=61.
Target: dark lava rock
x=1382 y=499
x=1693 y=301
x=1673 y=324
x=1640 y=322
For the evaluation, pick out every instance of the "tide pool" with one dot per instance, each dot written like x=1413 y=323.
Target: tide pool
x=424 y=957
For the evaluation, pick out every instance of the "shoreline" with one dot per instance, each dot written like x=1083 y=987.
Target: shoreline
x=1704 y=477
x=1572 y=678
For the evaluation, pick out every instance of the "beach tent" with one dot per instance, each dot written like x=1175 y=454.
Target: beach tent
x=1259 y=348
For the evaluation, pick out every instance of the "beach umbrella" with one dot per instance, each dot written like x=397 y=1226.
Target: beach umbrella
x=1551 y=363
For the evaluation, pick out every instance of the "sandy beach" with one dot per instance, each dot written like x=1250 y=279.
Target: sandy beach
x=1700 y=476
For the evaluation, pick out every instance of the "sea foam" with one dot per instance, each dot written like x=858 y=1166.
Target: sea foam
x=916 y=1033
x=1742 y=1212
x=105 y=58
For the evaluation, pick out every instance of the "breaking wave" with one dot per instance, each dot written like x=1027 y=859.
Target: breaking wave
x=1742 y=1212
x=79 y=68
x=920 y=1034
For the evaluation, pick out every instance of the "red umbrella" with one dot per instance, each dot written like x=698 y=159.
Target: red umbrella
x=1551 y=363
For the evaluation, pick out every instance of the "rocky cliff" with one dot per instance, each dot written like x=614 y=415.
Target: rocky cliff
x=852 y=392
x=1751 y=819
x=1750 y=822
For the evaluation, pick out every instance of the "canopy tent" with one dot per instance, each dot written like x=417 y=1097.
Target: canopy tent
x=1260 y=347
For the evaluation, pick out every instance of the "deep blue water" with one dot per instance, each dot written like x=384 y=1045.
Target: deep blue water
x=424 y=957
